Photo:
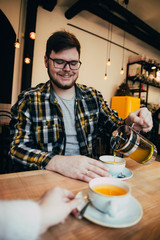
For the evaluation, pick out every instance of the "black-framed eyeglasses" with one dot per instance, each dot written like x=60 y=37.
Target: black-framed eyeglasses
x=61 y=64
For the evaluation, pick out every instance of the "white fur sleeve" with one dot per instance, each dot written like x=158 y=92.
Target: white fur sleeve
x=19 y=220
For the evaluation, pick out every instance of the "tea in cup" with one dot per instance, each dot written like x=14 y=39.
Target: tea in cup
x=109 y=195
x=115 y=164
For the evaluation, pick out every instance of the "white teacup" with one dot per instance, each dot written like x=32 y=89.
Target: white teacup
x=115 y=199
x=115 y=164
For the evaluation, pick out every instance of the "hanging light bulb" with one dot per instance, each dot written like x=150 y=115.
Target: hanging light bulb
x=105 y=76
x=122 y=71
x=32 y=35
x=109 y=44
x=17 y=44
x=27 y=60
x=108 y=62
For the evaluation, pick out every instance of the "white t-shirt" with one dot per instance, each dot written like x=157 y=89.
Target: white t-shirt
x=68 y=110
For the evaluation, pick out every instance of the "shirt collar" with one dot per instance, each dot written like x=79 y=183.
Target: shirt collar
x=79 y=93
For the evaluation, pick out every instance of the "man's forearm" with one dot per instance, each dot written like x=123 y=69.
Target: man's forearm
x=33 y=158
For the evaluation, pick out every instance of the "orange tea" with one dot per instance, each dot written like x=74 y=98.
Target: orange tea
x=109 y=190
x=143 y=153
x=112 y=162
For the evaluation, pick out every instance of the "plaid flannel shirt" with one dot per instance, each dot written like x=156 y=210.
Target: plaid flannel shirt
x=37 y=124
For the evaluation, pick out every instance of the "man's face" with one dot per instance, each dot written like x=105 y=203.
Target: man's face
x=63 y=78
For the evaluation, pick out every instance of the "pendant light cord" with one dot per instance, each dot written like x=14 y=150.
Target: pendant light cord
x=110 y=40
x=124 y=36
x=19 y=18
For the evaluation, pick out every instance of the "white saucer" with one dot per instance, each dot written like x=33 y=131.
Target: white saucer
x=130 y=217
x=126 y=172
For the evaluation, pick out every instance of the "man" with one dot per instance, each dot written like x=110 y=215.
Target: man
x=55 y=125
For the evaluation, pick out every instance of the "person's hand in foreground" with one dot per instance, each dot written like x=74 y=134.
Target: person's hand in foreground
x=56 y=204
x=142 y=120
x=78 y=167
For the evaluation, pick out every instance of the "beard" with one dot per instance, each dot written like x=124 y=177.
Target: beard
x=58 y=84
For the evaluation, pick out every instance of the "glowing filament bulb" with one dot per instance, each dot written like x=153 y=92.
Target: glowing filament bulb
x=105 y=76
x=17 y=44
x=32 y=35
x=27 y=60
x=108 y=62
x=122 y=71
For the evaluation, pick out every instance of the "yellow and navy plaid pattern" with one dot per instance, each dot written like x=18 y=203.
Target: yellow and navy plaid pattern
x=37 y=124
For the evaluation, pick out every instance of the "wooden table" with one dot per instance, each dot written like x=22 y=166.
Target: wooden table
x=145 y=185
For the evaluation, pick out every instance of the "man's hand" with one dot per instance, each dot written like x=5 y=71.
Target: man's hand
x=142 y=119
x=78 y=167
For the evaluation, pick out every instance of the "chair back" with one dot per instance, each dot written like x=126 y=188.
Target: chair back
x=5 y=140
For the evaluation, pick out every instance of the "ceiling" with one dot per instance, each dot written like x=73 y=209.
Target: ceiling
x=146 y=10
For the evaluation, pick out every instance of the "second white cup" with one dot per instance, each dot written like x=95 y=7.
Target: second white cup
x=115 y=164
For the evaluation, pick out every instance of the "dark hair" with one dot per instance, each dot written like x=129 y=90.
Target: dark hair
x=62 y=40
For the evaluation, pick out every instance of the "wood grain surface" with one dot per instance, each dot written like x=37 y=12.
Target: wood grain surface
x=145 y=185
